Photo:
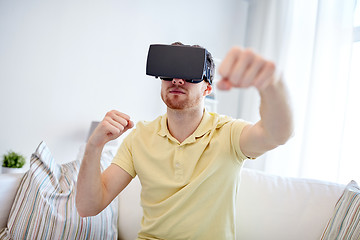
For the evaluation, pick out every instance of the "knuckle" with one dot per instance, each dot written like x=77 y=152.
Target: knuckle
x=122 y=114
x=259 y=59
x=112 y=113
x=249 y=52
x=271 y=65
x=236 y=50
x=104 y=124
x=108 y=114
x=106 y=119
x=122 y=121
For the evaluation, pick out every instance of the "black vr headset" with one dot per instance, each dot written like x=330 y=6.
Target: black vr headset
x=178 y=61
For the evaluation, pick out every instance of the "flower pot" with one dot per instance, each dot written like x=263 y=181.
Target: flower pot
x=12 y=170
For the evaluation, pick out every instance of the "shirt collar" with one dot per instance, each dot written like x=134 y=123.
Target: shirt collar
x=163 y=126
x=205 y=126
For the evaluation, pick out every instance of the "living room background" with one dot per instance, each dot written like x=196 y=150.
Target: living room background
x=65 y=64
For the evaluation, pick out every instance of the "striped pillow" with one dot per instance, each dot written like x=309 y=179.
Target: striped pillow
x=44 y=206
x=345 y=222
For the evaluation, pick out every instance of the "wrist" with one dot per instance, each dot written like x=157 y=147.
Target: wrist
x=93 y=148
x=275 y=85
x=96 y=142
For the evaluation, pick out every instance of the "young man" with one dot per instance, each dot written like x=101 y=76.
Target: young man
x=188 y=160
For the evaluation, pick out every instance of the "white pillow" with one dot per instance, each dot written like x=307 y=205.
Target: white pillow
x=44 y=206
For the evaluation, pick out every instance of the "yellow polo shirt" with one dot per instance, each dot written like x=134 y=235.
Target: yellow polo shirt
x=189 y=188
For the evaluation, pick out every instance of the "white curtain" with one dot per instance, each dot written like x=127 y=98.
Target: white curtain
x=311 y=43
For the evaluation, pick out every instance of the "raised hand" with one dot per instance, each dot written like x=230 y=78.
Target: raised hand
x=111 y=127
x=242 y=68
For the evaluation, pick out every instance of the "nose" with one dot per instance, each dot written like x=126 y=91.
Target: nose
x=178 y=81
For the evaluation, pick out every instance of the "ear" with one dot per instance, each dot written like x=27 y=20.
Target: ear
x=208 y=89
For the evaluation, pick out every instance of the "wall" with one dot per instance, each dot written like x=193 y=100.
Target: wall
x=64 y=64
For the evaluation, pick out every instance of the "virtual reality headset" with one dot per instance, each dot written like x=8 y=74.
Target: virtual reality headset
x=178 y=61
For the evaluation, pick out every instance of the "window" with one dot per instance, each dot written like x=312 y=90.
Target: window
x=350 y=165
x=357 y=15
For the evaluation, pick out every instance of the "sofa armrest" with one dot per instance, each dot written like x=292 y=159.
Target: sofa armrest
x=9 y=183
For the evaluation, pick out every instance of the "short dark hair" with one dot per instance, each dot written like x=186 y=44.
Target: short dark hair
x=209 y=60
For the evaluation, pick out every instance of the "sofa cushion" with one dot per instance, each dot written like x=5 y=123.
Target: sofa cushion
x=130 y=211
x=44 y=206
x=273 y=207
x=345 y=221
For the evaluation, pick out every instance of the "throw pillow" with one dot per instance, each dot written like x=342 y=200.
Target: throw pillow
x=345 y=221
x=44 y=206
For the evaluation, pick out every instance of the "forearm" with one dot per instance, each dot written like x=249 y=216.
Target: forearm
x=95 y=189
x=89 y=192
x=276 y=115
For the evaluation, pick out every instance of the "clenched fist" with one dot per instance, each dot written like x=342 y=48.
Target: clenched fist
x=111 y=127
x=243 y=68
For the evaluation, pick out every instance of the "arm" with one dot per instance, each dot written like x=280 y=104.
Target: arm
x=95 y=190
x=242 y=69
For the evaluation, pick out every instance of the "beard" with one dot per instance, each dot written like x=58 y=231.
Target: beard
x=180 y=102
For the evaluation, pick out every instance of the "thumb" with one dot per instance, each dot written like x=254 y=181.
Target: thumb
x=224 y=84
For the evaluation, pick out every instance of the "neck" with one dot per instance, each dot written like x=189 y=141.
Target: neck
x=183 y=123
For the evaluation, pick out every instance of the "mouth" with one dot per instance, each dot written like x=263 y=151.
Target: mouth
x=176 y=91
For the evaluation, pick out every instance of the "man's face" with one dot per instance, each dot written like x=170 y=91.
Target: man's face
x=179 y=94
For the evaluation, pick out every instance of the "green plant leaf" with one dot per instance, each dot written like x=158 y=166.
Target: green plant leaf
x=13 y=160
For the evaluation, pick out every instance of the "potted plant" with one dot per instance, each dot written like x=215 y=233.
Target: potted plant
x=13 y=162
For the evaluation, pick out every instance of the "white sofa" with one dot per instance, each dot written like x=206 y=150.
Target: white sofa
x=269 y=207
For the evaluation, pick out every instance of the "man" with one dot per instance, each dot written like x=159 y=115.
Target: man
x=188 y=160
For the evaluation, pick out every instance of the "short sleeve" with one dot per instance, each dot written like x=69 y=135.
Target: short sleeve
x=236 y=130
x=124 y=157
